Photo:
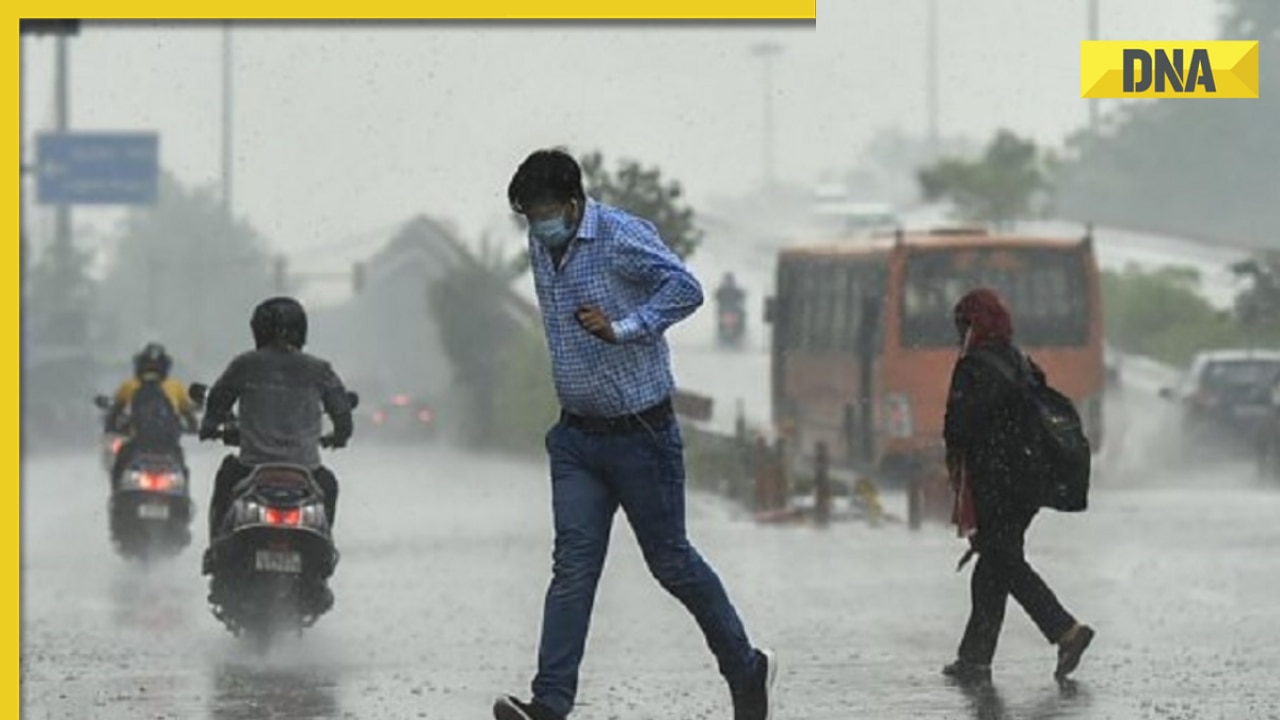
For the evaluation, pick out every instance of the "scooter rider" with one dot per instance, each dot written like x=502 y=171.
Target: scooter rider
x=729 y=296
x=281 y=392
x=730 y=299
x=151 y=409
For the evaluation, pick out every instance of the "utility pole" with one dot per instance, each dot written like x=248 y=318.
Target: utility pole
x=62 y=252
x=153 y=294
x=281 y=274
x=61 y=29
x=198 y=272
x=1093 y=35
x=226 y=118
x=767 y=52
x=67 y=322
x=932 y=80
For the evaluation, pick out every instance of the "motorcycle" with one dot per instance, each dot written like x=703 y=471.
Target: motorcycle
x=272 y=552
x=150 y=508
x=730 y=327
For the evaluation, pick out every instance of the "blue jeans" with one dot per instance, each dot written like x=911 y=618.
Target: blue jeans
x=591 y=476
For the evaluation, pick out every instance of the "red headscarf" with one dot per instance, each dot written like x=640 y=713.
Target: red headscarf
x=989 y=320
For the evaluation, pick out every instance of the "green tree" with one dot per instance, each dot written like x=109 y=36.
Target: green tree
x=1161 y=314
x=643 y=191
x=1252 y=20
x=186 y=274
x=59 y=296
x=477 y=332
x=1258 y=306
x=57 y=357
x=1007 y=183
x=885 y=169
x=526 y=393
x=1193 y=169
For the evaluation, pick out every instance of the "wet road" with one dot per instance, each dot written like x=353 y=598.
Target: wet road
x=445 y=558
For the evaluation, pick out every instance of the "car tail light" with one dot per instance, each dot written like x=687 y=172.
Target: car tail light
x=116 y=444
x=400 y=400
x=379 y=417
x=425 y=416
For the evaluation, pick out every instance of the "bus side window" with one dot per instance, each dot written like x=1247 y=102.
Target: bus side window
x=805 y=306
x=784 y=308
x=862 y=290
x=847 y=292
x=876 y=312
x=792 y=307
x=840 y=315
x=831 y=307
x=869 y=337
x=819 y=329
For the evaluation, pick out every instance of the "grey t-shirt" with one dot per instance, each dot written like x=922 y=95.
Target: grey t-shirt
x=281 y=394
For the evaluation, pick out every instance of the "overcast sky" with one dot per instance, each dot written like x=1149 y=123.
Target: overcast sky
x=344 y=129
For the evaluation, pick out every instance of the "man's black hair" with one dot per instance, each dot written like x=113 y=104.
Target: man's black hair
x=546 y=176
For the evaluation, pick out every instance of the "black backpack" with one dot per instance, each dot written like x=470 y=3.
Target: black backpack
x=154 y=421
x=1055 y=441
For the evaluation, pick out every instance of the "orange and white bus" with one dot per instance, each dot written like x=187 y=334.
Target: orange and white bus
x=864 y=340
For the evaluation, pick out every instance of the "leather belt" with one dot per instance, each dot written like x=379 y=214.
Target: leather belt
x=650 y=418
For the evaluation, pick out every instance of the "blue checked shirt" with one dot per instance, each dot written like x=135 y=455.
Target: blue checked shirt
x=619 y=264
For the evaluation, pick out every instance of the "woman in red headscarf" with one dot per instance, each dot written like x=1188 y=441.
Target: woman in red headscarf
x=985 y=417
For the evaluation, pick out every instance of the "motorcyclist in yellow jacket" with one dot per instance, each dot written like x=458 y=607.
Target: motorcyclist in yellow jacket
x=150 y=409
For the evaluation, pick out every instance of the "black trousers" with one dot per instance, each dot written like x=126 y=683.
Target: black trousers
x=1002 y=570
x=233 y=471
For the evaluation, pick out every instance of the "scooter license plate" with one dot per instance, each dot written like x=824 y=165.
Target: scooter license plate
x=153 y=511
x=278 y=561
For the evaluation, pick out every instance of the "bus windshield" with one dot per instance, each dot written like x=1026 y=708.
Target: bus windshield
x=824 y=304
x=1047 y=291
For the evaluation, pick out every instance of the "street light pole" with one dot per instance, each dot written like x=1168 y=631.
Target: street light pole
x=932 y=80
x=1093 y=35
x=767 y=52
x=63 y=326
x=226 y=117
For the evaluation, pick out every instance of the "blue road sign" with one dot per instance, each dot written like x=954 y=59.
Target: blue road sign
x=99 y=168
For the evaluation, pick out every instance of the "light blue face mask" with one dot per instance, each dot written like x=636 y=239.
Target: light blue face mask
x=554 y=232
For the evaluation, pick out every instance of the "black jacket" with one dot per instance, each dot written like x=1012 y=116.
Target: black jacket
x=985 y=425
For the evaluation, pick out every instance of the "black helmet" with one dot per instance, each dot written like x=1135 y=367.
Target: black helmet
x=152 y=359
x=279 y=320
